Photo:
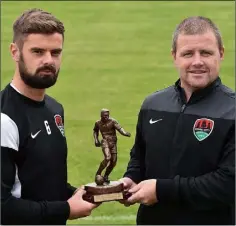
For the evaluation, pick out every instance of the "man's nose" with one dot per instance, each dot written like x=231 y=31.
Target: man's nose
x=197 y=60
x=47 y=59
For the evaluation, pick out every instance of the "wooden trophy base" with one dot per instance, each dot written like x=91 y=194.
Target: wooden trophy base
x=103 y=193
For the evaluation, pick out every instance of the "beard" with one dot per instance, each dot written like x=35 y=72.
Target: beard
x=38 y=80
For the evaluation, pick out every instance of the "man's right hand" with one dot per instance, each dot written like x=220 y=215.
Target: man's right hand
x=128 y=184
x=97 y=144
x=78 y=206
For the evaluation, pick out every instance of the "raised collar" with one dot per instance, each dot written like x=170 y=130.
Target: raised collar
x=199 y=94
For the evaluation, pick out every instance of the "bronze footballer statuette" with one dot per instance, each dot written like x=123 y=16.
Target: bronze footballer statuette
x=103 y=189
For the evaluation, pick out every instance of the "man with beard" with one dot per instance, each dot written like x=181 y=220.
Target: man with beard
x=34 y=187
x=107 y=127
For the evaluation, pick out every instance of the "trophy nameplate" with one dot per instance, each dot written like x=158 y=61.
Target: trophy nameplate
x=104 y=193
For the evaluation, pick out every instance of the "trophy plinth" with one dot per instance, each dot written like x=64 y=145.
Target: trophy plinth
x=103 y=193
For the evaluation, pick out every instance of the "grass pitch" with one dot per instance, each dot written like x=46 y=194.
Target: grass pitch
x=115 y=54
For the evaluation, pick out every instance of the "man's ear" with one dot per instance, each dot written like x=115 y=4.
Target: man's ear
x=173 y=54
x=222 y=53
x=15 y=52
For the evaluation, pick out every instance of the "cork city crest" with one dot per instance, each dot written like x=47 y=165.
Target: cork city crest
x=59 y=124
x=202 y=128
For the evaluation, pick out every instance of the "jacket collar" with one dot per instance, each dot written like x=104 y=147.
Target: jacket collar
x=199 y=94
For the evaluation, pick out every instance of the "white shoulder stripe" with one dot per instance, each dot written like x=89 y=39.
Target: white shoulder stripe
x=9 y=133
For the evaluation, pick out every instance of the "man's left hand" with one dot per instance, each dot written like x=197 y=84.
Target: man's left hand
x=144 y=193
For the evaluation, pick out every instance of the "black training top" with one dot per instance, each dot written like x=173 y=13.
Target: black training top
x=190 y=149
x=34 y=188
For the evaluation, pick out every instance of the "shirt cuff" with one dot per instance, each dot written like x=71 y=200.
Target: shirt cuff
x=59 y=209
x=166 y=190
x=134 y=177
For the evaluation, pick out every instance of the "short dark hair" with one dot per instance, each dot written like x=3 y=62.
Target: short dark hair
x=196 y=25
x=35 y=21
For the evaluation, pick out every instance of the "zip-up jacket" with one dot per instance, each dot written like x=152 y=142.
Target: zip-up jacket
x=189 y=148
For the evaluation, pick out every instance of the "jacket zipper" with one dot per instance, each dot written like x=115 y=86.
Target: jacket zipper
x=183 y=108
x=172 y=167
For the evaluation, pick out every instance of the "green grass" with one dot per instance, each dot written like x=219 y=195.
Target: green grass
x=115 y=54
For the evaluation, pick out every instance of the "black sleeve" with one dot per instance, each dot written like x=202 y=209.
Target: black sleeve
x=136 y=165
x=70 y=190
x=19 y=211
x=206 y=191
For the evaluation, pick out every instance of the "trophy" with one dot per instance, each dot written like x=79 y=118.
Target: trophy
x=102 y=189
